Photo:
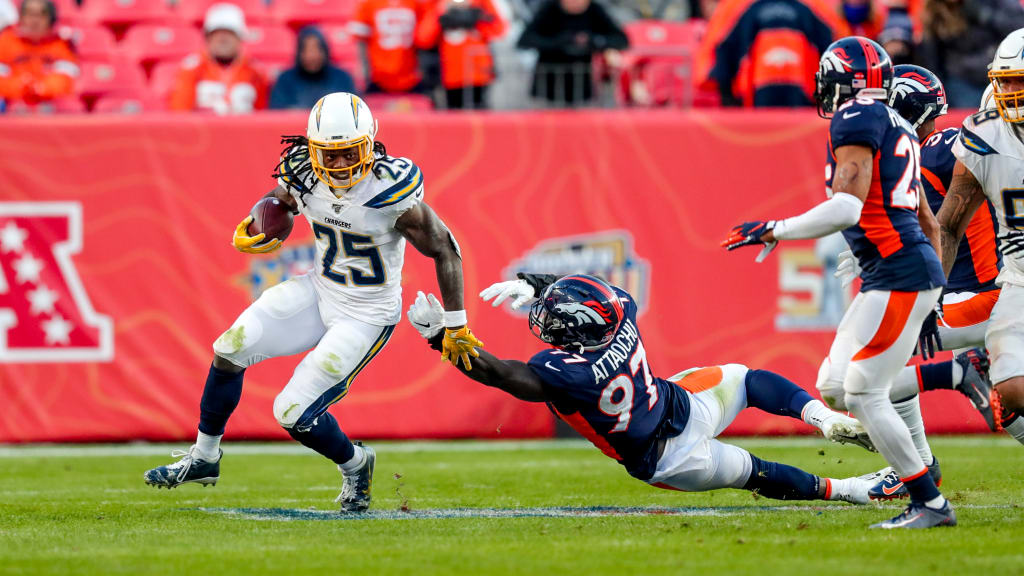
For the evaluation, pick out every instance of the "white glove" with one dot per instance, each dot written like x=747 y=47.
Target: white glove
x=519 y=290
x=848 y=268
x=426 y=315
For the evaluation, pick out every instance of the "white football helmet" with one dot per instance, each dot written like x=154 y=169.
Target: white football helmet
x=340 y=131
x=1007 y=64
x=986 y=99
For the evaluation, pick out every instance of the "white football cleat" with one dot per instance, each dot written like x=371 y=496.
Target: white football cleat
x=841 y=428
x=855 y=490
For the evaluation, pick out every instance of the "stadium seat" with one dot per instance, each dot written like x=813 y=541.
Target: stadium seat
x=659 y=62
x=194 y=11
x=117 y=76
x=298 y=13
x=161 y=79
x=266 y=43
x=122 y=13
x=92 y=41
x=342 y=45
x=399 y=102
x=150 y=44
x=273 y=67
x=678 y=37
x=142 y=102
x=69 y=14
x=69 y=105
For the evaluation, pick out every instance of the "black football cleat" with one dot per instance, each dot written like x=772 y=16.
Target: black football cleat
x=189 y=468
x=355 y=492
x=920 y=516
x=977 y=387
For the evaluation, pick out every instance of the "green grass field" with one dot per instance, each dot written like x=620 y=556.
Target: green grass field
x=85 y=510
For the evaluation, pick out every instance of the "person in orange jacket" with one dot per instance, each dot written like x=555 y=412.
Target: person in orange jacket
x=463 y=28
x=223 y=79
x=36 y=64
x=388 y=29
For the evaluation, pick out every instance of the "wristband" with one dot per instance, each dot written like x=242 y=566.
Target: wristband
x=455 y=318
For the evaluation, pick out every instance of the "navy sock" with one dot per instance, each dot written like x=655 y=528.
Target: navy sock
x=772 y=393
x=938 y=376
x=922 y=488
x=220 y=397
x=327 y=439
x=782 y=482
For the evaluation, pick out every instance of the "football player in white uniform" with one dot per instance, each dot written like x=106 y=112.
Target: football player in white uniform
x=990 y=164
x=362 y=205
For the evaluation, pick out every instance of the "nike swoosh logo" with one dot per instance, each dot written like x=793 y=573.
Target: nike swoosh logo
x=984 y=402
x=548 y=364
x=893 y=490
x=423 y=325
x=849 y=115
x=907 y=521
x=951 y=138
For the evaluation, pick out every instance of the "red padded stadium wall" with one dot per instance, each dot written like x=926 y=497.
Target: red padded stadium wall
x=643 y=197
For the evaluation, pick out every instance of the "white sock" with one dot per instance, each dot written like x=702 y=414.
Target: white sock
x=815 y=412
x=887 y=430
x=958 y=374
x=1016 y=428
x=355 y=462
x=837 y=486
x=910 y=411
x=905 y=384
x=208 y=447
x=937 y=502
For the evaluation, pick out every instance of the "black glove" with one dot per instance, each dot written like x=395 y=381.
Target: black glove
x=537 y=281
x=928 y=342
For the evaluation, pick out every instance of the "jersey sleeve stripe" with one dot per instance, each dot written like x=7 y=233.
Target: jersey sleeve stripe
x=974 y=143
x=398 y=192
x=981 y=241
x=934 y=180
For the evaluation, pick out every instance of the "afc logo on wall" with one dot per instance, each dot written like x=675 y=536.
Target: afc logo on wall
x=45 y=313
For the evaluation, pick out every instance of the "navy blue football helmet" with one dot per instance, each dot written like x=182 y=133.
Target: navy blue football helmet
x=848 y=66
x=577 y=311
x=917 y=94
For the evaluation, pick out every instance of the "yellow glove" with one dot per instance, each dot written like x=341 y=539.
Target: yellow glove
x=459 y=343
x=251 y=244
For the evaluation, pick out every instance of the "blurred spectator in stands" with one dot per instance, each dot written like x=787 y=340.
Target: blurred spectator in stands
x=36 y=64
x=462 y=29
x=313 y=75
x=8 y=14
x=222 y=79
x=388 y=31
x=960 y=38
x=768 y=53
x=897 y=37
x=701 y=9
x=862 y=18
x=567 y=34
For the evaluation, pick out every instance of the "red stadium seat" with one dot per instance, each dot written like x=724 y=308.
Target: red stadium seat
x=660 y=60
x=92 y=41
x=161 y=79
x=194 y=11
x=298 y=13
x=274 y=67
x=399 y=102
x=69 y=105
x=343 y=46
x=117 y=76
x=121 y=13
x=69 y=14
x=678 y=37
x=150 y=44
x=266 y=43
x=128 y=104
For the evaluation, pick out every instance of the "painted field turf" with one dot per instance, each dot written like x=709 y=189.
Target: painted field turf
x=485 y=508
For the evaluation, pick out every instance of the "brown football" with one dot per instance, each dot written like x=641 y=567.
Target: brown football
x=271 y=217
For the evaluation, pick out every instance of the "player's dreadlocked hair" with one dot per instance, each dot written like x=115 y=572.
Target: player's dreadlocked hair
x=295 y=169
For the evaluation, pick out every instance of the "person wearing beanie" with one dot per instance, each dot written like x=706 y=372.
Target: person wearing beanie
x=313 y=75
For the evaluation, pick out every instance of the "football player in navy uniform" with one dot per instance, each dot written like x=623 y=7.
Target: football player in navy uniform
x=873 y=188
x=597 y=378
x=971 y=292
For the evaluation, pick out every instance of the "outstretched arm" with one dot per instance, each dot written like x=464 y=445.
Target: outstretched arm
x=929 y=225
x=426 y=315
x=962 y=201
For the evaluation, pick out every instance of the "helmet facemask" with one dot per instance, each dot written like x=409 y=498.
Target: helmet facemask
x=361 y=150
x=1009 y=103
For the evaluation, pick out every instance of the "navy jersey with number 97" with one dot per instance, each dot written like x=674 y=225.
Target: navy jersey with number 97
x=611 y=397
x=887 y=241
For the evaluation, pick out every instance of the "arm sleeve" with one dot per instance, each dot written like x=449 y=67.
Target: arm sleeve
x=535 y=35
x=837 y=213
x=428 y=30
x=609 y=33
x=495 y=28
x=361 y=25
